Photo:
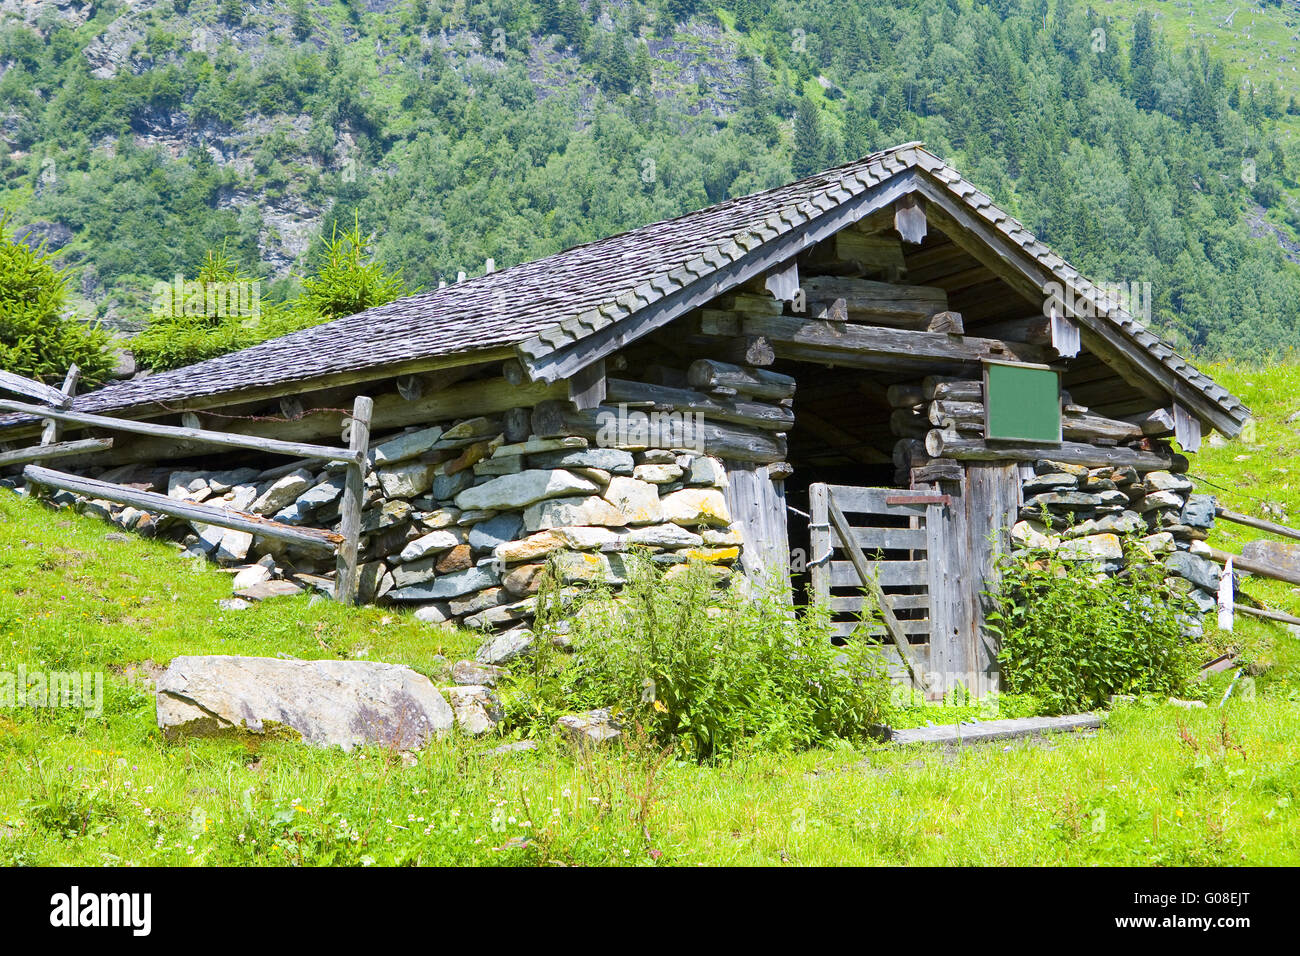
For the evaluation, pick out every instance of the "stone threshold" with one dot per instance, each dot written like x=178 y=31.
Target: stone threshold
x=984 y=731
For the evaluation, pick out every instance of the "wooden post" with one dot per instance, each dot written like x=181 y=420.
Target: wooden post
x=354 y=492
x=50 y=432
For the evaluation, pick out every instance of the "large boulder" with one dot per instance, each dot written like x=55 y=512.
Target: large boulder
x=325 y=703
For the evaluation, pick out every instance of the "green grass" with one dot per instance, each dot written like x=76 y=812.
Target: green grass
x=1159 y=785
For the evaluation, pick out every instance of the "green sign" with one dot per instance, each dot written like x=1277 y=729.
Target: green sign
x=1022 y=403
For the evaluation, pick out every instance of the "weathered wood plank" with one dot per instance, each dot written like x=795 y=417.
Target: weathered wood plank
x=890 y=573
x=870 y=578
x=984 y=731
x=9 y=382
x=1272 y=527
x=226 y=439
x=51 y=431
x=759 y=383
x=739 y=411
x=308 y=539
x=941 y=445
x=63 y=449
x=867 y=342
x=553 y=418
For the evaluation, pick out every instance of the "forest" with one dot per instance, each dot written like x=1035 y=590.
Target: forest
x=139 y=138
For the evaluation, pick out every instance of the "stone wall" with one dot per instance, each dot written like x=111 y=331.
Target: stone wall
x=457 y=522
x=1081 y=514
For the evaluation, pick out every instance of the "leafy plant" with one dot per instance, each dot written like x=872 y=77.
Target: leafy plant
x=1071 y=636
x=36 y=338
x=710 y=673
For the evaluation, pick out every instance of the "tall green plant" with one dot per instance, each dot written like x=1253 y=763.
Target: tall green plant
x=713 y=673
x=1072 y=636
x=36 y=338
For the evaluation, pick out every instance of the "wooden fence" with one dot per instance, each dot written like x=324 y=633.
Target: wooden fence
x=55 y=411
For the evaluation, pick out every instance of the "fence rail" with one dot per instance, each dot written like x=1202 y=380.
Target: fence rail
x=344 y=544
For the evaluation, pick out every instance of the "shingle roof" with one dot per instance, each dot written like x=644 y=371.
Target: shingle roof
x=538 y=307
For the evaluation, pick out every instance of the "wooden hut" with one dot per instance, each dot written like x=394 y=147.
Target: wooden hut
x=875 y=353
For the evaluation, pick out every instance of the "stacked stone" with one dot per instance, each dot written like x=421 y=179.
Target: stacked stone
x=1081 y=514
x=459 y=523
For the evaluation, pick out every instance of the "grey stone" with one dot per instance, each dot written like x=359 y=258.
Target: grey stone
x=567 y=512
x=588 y=730
x=432 y=543
x=486 y=535
x=1202 y=572
x=658 y=474
x=476 y=710
x=406 y=480
x=614 y=460
x=1096 y=547
x=387 y=515
x=1161 y=499
x=234 y=546
x=506 y=646
x=407 y=445
x=523 y=489
x=1062 y=501
x=282 y=492
x=1046 y=466
x=1051 y=481
x=447 y=586
x=706 y=470
x=1199 y=511
x=668 y=536
x=1165 y=481
x=446 y=487
x=472 y=672
x=696 y=506
x=436 y=613
x=328 y=703
x=477 y=602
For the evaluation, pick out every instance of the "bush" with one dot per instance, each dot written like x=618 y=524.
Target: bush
x=346 y=282
x=36 y=339
x=181 y=331
x=706 y=673
x=1071 y=637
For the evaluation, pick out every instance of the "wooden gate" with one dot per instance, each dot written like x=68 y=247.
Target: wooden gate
x=899 y=549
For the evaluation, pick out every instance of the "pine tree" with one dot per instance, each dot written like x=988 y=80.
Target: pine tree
x=809 y=141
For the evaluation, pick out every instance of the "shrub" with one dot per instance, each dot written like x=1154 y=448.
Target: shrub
x=346 y=282
x=1071 y=636
x=36 y=339
x=181 y=332
x=707 y=673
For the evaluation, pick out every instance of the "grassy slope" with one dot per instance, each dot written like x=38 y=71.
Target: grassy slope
x=1160 y=785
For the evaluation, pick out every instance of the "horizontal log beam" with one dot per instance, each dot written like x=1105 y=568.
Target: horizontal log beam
x=308 y=539
x=1257 y=523
x=1260 y=568
x=870 y=341
x=759 y=383
x=62 y=449
x=555 y=419
x=663 y=398
x=940 y=445
x=225 y=439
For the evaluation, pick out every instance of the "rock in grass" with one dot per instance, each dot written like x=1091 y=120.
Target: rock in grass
x=506 y=647
x=476 y=710
x=589 y=730
x=325 y=703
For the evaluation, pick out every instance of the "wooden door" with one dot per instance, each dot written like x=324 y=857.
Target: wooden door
x=912 y=543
